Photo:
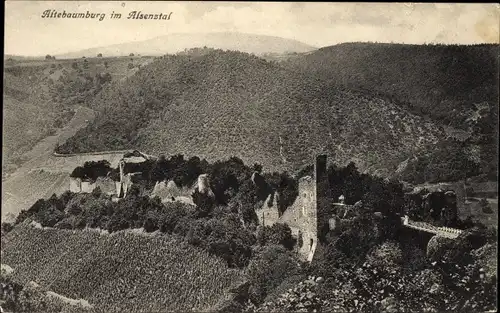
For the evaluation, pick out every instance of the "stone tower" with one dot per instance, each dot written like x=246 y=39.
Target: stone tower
x=321 y=178
x=305 y=215
x=322 y=190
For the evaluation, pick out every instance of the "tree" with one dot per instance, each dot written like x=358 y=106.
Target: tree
x=485 y=206
x=48 y=57
x=151 y=222
x=106 y=78
x=99 y=55
x=268 y=269
x=387 y=256
x=78 y=172
x=97 y=192
x=6 y=227
x=131 y=55
x=278 y=234
x=130 y=66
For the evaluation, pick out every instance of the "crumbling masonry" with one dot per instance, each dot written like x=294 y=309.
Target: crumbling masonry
x=302 y=215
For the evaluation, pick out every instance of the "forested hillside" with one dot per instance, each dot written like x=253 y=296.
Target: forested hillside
x=221 y=104
x=40 y=96
x=455 y=86
x=28 y=114
x=445 y=82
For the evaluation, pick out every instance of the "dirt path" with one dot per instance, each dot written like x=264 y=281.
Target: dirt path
x=24 y=186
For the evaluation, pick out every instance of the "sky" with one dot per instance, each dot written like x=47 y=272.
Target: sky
x=316 y=24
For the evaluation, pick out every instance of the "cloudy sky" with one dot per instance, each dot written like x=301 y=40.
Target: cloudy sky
x=317 y=24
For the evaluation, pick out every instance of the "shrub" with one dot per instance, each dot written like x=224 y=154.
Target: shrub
x=278 y=234
x=268 y=269
x=386 y=256
x=151 y=223
x=6 y=227
x=485 y=206
x=92 y=170
x=117 y=223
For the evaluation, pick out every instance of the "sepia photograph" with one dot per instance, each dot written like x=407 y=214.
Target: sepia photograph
x=253 y=157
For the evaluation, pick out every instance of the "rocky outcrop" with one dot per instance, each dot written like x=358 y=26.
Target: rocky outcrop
x=170 y=192
x=437 y=247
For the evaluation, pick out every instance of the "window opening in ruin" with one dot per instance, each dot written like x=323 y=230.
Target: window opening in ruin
x=311 y=244
x=300 y=240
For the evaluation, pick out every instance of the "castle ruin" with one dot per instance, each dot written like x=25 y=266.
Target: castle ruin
x=303 y=216
x=120 y=188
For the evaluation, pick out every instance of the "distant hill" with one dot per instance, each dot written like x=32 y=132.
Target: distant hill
x=173 y=43
x=222 y=104
x=13 y=57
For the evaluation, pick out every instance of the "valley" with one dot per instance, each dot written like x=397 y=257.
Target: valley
x=231 y=172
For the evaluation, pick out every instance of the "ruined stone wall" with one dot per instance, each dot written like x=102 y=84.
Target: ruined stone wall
x=75 y=185
x=118 y=188
x=169 y=192
x=457 y=187
x=126 y=183
x=268 y=214
x=87 y=186
x=302 y=215
x=106 y=185
x=203 y=184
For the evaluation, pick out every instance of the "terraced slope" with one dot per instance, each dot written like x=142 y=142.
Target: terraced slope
x=41 y=96
x=122 y=272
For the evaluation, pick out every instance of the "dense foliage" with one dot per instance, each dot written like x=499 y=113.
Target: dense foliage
x=91 y=170
x=450 y=161
x=456 y=86
x=222 y=103
x=369 y=263
x=217 y=227
x=441 y=81
x=278 y=234
x=268 y=269
x=366 y=270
